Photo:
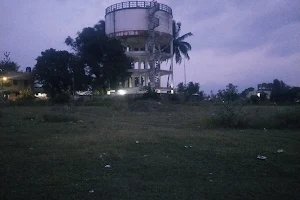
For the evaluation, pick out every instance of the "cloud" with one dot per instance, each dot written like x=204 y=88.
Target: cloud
x=243 y=42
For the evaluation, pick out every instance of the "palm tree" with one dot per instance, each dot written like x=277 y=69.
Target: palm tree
x=180 y=47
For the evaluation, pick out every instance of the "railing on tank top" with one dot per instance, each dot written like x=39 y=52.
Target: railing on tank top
x=136 y=4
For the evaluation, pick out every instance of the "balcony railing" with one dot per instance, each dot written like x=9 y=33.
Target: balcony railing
x=137 y=4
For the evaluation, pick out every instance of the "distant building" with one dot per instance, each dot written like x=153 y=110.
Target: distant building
x=14 y=82
x=17 y=81
x=265 y=88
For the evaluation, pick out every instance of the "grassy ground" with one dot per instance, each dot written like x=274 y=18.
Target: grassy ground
x=61 y=153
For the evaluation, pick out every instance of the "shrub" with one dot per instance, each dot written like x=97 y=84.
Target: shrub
x=228 y=115
x=25 y=95
x=174 y=97
x=238 y=116
x=62 y=98
x=254 y=99
x=150 y=94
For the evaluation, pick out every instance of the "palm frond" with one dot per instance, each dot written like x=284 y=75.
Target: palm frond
x=188 y=45
x=180 y=47
x=183 y=37
x=178 y=57
x=184 y=51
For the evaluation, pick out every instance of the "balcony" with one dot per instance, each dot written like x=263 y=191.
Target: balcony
x=136 y=4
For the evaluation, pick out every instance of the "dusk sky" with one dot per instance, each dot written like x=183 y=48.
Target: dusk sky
x=244 y=42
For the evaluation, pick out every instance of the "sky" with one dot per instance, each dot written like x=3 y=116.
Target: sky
x=244 y=42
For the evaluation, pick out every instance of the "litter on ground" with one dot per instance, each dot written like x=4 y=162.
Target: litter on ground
x=261 y=157
x=280 y=151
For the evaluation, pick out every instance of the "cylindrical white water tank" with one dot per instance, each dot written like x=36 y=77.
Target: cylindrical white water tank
x=129 y=20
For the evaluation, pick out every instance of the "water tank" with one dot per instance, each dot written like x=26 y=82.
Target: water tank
x=28 y=69
x=130 y=20
x=145 y=30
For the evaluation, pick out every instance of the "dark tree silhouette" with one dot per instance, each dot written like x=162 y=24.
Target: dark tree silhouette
x=6 y=65
x=229 y=94
x=180 y=47
x=59 y=72
x=105 y=57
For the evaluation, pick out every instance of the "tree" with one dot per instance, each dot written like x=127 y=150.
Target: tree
x=59 y=72
x=279 y=91
x=190 y=89
x=229 y=94
x=193 y=88
x=180 y=47
x=246 y=91
x=181 y=88
x=6 y=65
x=104 y=57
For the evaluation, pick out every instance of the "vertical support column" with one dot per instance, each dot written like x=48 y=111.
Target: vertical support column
x=140 y=75
x=172 y=75
x=130 y=81
x=147 y=73
x=159 y=62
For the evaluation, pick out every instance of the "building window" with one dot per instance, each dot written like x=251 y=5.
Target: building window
x=26 y=83
x=15 y=82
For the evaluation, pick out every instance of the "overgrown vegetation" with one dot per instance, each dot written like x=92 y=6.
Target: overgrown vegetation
x=105 y=155
x=25 y=95
x=62 y=98
x=149 y=94
x=228 y=115
x=236 y=115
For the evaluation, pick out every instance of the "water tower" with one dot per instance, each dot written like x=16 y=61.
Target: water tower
x=145 y=30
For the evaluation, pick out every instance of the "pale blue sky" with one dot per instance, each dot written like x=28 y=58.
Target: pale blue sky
x=240 y=41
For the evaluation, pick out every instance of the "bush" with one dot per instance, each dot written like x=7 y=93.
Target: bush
x=62 y=98
x=25 y=95
x=228 y=115
x=238 y=116
x=254 y=99
x=174 y=97
x=150 y=94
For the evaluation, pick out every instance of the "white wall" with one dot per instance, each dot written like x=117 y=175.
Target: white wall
x=136 y=19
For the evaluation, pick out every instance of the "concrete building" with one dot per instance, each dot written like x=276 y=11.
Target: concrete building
x=145 y=29
x=14 y=82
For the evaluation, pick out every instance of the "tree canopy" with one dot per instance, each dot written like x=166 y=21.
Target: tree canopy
x=190 y=89
x=105 y=57
x=229 y=94
x=245 y=92
x=279 y=91
x=97 y=62
x=6 y=65
x=59 y=71
x=180 y=47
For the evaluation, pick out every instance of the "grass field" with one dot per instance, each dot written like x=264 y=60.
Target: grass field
x=61 y=153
